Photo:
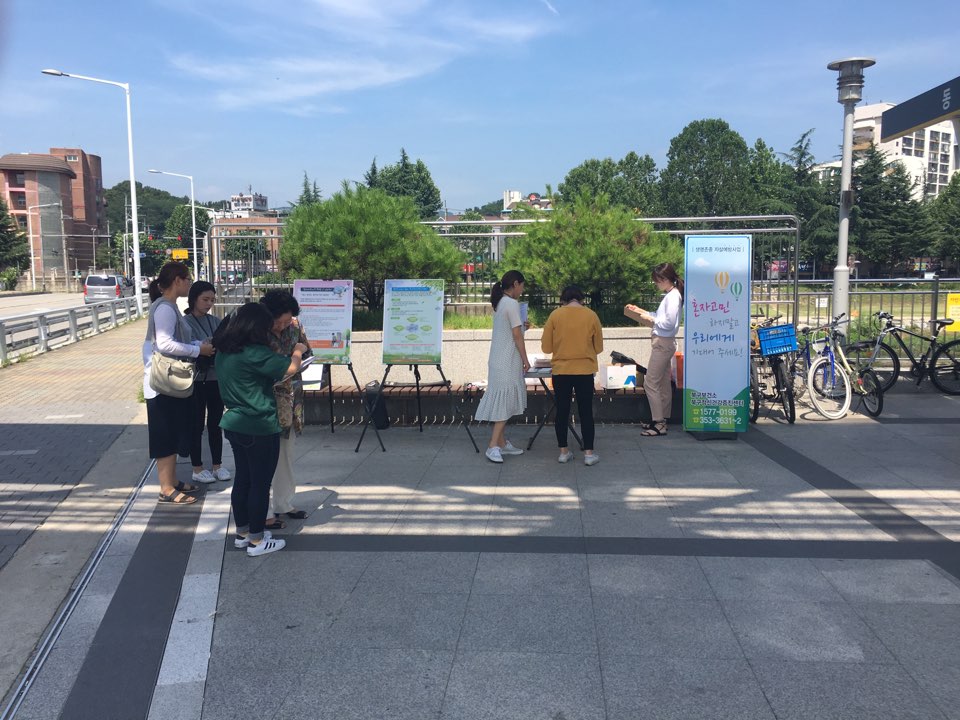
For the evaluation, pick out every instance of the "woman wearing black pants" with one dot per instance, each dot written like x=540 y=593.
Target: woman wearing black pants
x=574 y=336
x=248 y=369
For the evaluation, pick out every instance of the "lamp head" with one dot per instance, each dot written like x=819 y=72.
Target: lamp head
x=56 y=73
x=850 y=82
x=155 y=171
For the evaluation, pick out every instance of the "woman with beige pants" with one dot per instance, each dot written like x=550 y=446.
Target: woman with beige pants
x=663 y=341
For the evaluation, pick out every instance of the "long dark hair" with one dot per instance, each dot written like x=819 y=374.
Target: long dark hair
x=168 y=274
x=665 y=271
x=509 y=279
x=248 y=325
x=570 y=293
x=196 y=290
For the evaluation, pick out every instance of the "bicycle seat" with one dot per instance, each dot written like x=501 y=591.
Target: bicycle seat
x=943 y=322
x=803 y=328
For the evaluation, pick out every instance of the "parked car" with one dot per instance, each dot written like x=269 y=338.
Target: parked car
x=99 y=288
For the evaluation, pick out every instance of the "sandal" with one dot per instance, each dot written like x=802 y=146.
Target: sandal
x=296 y=514
x=275 y=524
x=177 y=498
x=185 y=487
x=655 y=429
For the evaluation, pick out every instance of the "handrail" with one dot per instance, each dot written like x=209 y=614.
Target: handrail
x=39 y=331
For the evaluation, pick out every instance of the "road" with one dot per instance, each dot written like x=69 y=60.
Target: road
x=11 y=305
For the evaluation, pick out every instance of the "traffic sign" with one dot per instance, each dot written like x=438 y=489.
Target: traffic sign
x=180 y=254
x=933 y=106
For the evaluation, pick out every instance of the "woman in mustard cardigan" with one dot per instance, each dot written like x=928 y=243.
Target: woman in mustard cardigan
x=574 y=336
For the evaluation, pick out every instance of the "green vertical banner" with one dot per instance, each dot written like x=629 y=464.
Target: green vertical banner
x=716 y=394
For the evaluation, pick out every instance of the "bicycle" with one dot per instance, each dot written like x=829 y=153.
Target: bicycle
x=772 y=343
x=944 y=358
x=832 y=381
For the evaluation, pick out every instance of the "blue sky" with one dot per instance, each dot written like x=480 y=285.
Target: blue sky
x=491 y=95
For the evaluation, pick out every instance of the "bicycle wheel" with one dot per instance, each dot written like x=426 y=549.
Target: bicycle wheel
x=797 y=373
x=945 y=368
x=786 y=391
x=829 y=388
x=872 y=396
x=886 y=366
x=754 y=391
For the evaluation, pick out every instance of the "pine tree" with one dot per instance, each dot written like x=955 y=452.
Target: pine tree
x=372 y=176
x=14 y=251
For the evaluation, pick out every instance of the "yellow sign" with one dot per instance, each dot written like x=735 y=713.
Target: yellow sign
x=953 y=306
x=180 y=254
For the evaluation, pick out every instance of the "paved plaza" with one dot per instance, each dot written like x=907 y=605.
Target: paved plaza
x=806 y=571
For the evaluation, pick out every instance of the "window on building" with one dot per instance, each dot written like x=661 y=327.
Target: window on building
x=21 y=221
x=944 y=168
x=908 y=151
x=908 y=142
x=934 y=146
x=934 y=136
x=73 y=158
x=945 y=137
x=919 y=152
x=21 y=201
x=19 y=179
x=944 y=157
x=943 y=179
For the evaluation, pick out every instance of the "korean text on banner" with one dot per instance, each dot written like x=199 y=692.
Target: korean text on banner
x=326 y=314
x=412 y=322
x=716 y=394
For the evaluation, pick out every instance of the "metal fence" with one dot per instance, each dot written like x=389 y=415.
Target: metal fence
x=39 y=332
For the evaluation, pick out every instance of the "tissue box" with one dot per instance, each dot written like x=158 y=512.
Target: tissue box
x=618 y=376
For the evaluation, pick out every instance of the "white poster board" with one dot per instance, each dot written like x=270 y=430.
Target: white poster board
x=326 y=314
x=716 y=335
x=412 y=322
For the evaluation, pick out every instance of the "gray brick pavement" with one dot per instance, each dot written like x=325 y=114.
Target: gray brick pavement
x=59 y=412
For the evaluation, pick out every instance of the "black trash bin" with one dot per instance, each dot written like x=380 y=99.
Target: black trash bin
x=377 y=407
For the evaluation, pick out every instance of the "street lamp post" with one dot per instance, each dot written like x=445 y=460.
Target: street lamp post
x=849 y=93
x=193 y=216
x=33 y=271
x=133 y=181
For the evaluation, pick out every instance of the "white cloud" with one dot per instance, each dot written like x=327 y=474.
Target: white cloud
x=550 y=7
x=701 y=262
x=325 y=48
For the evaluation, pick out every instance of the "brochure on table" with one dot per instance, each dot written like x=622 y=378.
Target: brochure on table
x=716 y=394
x=412 y=322
x=326 y=314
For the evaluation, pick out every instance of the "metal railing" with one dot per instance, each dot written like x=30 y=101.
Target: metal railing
x=39 y=332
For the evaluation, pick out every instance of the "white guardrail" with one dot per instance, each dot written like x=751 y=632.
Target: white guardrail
x=39 y=332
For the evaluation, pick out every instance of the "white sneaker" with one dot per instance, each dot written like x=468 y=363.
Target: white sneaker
x=493 y=455
x=204 y=476
x=589 y=460
x=242 y=541
x=266 y=547
x=510 y=449
x=565 y=457
x=222 y=473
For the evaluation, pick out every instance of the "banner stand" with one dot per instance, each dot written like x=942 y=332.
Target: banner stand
x=417 y=384
x=328 y=374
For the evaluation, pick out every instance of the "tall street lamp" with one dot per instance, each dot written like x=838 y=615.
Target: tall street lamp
x=33 y=271
x=133 y=180
x=849 y=93
x=193 y=214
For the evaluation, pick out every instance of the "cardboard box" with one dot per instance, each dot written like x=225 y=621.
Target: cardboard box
x=633 y=316
x=618 y=376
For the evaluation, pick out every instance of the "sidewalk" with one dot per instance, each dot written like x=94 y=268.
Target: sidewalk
x=806 y=571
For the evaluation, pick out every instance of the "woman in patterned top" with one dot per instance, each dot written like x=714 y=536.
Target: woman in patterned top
x=284 y=336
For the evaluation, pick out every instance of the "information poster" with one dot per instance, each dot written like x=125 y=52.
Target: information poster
x=326 y=314
x=412 y=322
x=716 y=394
x=953 y=308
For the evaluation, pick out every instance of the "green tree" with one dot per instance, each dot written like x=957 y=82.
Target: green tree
x=310 y=194
x=179 y=225
x=629 y=183
x=407 y=179
x=494 y=207
x=945 y=213
x=770 y=178
x=590 y=243
x=154 y=207
x=369 y=236
x=708 y=172
x=813 y=202
x=887 y=225
x=14 y=250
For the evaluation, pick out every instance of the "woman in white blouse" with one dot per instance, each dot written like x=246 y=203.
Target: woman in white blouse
x=665 y=323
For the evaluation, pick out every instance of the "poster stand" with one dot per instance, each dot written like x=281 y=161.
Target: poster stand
x=328 y=375
x=418 y=385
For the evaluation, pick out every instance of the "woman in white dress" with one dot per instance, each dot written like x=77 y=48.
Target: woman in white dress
x=506 y=393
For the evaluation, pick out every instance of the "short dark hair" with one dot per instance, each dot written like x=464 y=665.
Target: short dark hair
x=280 y=302
x=571 y=292
x=247 y=325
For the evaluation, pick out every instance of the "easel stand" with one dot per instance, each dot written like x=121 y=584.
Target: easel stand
x=417 y=384
x=328 y=373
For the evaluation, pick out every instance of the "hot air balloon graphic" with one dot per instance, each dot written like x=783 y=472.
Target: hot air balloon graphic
x=722 y=279
x=736 y=289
